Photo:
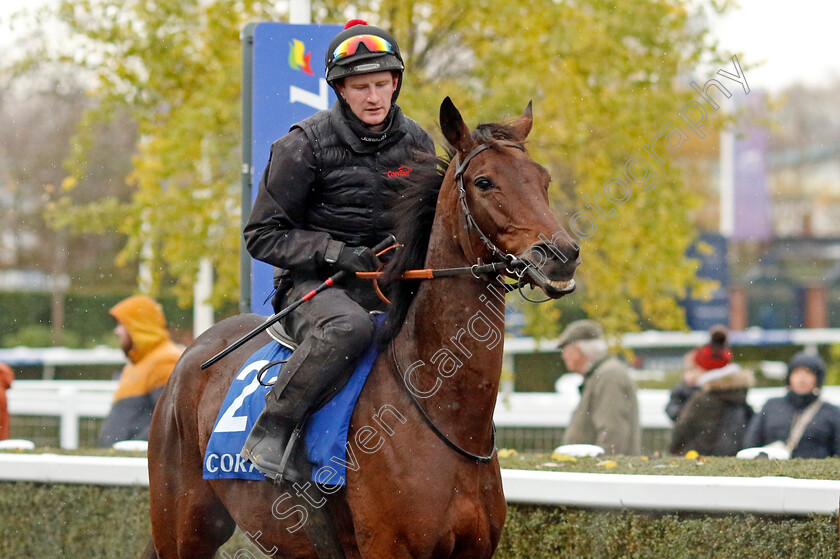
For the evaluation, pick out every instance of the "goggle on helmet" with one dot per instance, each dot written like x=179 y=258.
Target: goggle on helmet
x=363 y=49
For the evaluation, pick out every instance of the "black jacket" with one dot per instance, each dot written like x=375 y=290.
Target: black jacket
x=324 y=185
x=820 y=439
x=715 y=417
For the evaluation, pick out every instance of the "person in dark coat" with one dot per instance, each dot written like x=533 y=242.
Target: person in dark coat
x=713 y=355
x=821 y=435
x=715 y=418
x=320 y=208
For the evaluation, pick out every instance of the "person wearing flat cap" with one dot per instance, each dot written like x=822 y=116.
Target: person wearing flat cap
x=608 y=412
x=801 y=421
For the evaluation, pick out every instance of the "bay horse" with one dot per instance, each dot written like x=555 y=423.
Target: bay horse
x=423 y=478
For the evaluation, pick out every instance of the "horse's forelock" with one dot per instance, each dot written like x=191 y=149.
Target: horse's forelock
x=495 y=132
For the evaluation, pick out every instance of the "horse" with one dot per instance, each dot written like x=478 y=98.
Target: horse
x=423 y=478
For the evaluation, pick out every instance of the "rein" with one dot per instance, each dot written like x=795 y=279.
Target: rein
x=481 y=459
x=429 y=273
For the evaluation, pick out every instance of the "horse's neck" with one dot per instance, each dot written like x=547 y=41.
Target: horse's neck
x=455 y=330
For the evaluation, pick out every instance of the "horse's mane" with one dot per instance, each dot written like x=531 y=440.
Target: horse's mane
x=413 y=213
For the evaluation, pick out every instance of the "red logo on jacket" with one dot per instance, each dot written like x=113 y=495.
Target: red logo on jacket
x=401 y=172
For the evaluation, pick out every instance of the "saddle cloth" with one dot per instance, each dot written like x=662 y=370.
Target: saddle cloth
x=324 y=435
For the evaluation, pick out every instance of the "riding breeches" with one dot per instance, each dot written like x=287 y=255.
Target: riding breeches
x=333 y=330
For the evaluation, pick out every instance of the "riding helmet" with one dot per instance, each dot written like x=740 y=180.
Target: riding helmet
x=363 y=49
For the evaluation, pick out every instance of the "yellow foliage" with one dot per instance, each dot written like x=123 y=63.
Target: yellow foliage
x=69 y=183
x=603 y=83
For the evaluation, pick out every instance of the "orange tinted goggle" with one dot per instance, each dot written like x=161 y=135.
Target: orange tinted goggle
x=348 y=47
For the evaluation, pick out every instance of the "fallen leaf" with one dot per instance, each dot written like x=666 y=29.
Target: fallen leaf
x=563 y=457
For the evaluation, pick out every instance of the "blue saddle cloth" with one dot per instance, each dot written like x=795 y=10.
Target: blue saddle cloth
x=325 y=433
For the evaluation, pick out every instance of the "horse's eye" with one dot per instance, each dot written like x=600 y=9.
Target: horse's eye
x=484 y=184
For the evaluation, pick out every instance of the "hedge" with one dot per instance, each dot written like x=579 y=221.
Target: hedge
x=72 y=521
x=69 y=521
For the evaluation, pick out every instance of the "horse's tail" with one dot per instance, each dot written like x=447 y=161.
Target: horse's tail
x=149 y=552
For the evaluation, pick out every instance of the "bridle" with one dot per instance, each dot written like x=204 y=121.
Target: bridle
x=513 y=265
x=504 y=260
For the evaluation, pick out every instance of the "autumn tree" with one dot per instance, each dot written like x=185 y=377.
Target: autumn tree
x=604 y=78
x=175 y=67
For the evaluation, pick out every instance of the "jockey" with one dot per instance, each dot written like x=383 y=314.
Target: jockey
x=319 y=208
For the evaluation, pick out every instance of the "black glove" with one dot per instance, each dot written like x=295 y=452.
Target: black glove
x=357 y=259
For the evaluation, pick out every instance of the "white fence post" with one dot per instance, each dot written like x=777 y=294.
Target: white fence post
x=69 y=426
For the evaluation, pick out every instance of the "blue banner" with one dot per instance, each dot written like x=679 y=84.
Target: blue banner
x=288 y=85
x=712 y=252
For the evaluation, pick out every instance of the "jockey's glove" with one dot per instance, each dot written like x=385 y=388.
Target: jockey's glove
x=357 y=259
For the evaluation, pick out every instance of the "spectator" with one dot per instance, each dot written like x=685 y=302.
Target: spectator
x=6 y=378
x=141 y=327
x=715 y=418
x=608 y=413
x=800 y=421
x=713 y=355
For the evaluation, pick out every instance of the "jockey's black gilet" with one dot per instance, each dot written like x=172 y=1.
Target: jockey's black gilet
x=348 y=194
x=353 y=189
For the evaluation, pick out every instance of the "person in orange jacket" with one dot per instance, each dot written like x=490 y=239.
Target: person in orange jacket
x=6 y=378
x=141 y=327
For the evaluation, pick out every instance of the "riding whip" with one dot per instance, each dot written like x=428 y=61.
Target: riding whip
x=329 y=282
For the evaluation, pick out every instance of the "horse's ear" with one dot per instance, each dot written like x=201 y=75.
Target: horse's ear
x=523 y=124
x=453 y=127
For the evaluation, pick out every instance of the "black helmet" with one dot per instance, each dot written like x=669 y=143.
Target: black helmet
x=362 y=49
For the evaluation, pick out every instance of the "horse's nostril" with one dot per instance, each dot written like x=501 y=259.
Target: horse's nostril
x=555 y=260
x=552 y=252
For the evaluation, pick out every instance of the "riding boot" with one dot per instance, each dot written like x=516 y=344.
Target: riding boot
x=303 y=382
x=266 y=445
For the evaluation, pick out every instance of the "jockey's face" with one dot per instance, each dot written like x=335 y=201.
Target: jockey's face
x=369 y=96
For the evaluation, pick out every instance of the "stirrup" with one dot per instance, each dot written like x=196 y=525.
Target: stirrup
x=287 y=454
